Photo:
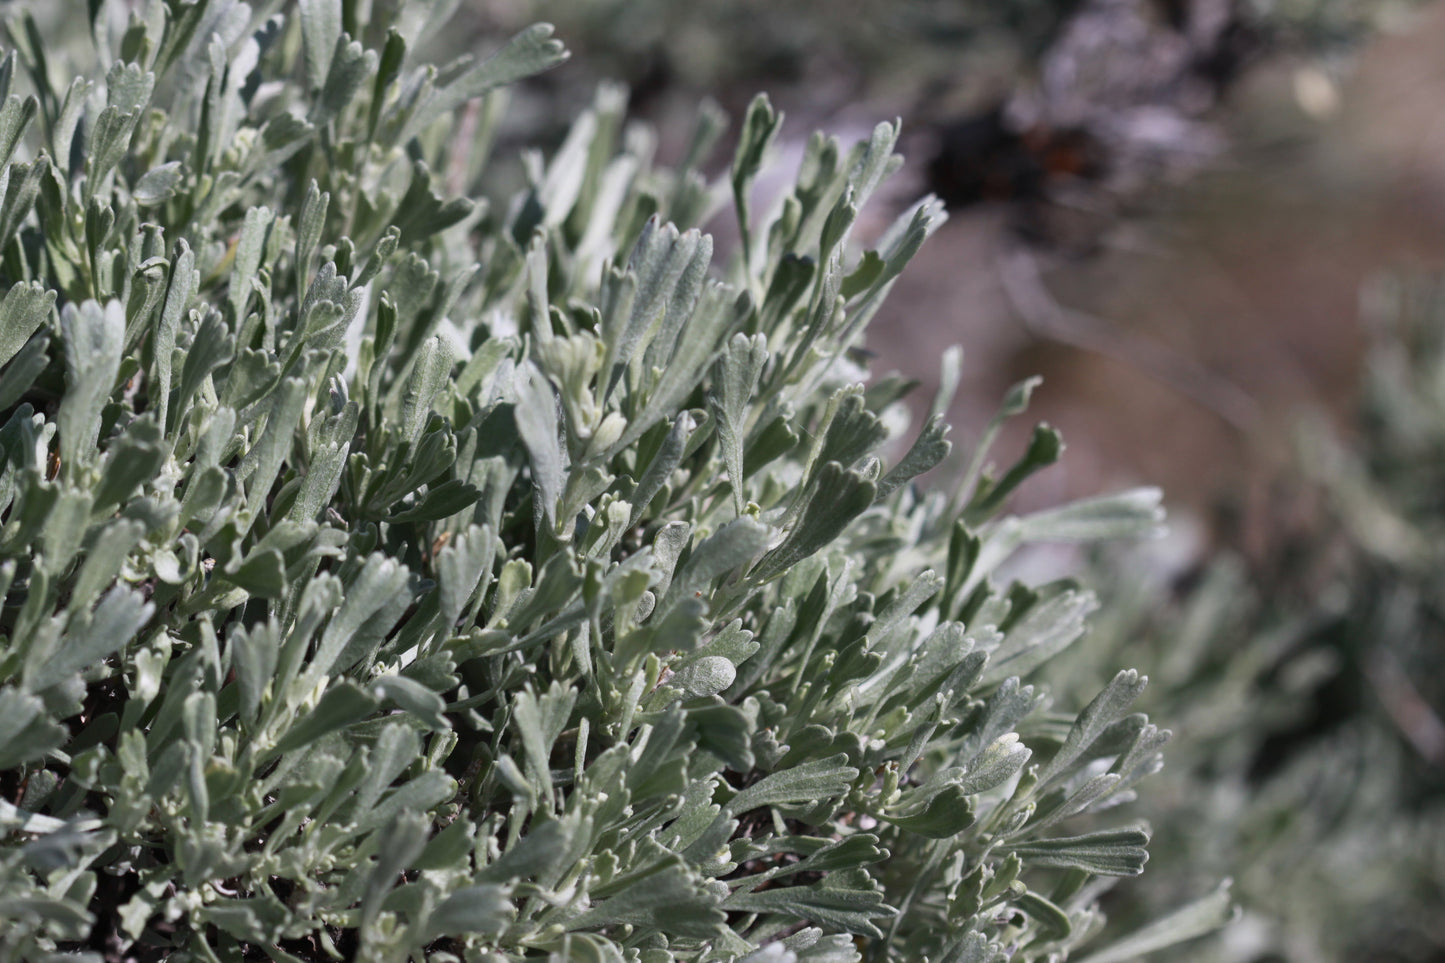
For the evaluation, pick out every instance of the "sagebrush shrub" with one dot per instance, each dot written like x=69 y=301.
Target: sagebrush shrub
x=1309 y=682
x=392 y=575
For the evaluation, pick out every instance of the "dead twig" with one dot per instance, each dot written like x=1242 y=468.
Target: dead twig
x=1045 y=317
x=1407 y=709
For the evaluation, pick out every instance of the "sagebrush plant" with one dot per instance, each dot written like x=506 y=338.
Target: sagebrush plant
x=389 y=575
x=1309 y=682
x=1308 y=799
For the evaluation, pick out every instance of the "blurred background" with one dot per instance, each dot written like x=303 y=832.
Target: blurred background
x=1216 y=228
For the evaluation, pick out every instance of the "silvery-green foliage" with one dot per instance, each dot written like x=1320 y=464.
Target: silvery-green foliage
x=391 y=575
x=1310 y=684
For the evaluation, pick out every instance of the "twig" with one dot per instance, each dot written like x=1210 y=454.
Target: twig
x=1411 y=714
x=1045 y=317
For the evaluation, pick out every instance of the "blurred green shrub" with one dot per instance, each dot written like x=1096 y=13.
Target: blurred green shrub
x=1311 y=687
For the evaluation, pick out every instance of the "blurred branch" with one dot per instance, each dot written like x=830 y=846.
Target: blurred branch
x=1406 y=708
x=1045 y=317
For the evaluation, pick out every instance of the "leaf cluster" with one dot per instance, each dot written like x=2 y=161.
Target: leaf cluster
x=388 y=575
